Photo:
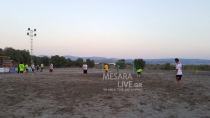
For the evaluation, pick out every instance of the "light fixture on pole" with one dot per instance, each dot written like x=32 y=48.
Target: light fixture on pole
x=31 y=33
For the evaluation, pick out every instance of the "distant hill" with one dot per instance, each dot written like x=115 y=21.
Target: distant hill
x=96 y=59
x=148 y=61
x=183 y=61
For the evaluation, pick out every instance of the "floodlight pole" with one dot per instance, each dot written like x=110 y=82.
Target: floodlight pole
x=31 y=33
x=31 y=46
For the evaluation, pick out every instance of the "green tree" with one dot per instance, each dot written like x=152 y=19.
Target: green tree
x=167 y=66
x=139 y=64
x=121 y=64
x=1 y=52
x=90 y=63
x=58 y=61
x=18 y=55
x=45 y=60
x=79 y=62
x=69 y=63
x=36 y=60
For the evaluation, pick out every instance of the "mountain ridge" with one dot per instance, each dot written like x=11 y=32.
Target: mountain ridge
x=148 y=61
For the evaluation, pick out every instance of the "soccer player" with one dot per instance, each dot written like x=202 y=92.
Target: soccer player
x=21 y=67
x=139 y=71
x=42 y=67
x=106 y=68
x=178 y=70
x=85 y=68
x=33 y=67
x=26 y=68
x=51 y=68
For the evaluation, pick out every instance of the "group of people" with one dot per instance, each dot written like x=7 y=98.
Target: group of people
x=85 y=68
x=24 y=68
x=139 y=71
x=179 y=72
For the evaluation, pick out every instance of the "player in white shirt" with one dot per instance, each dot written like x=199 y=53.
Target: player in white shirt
x=42 y=67
x=178 y=70
x=51 y=68
x=85 y=68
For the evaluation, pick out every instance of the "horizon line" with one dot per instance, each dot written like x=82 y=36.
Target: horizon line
x=120 y=58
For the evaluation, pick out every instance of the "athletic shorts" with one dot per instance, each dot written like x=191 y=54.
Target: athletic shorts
x=178 y=77
x=85 y=71
x=139 y=73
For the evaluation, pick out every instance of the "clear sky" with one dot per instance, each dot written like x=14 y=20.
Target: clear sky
x=109 y=28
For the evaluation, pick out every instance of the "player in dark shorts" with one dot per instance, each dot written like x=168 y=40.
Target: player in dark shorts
x=85 y=68
x=178 y=77
x=178 y=70
x=85 y=71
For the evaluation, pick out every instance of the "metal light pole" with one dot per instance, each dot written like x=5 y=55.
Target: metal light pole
x=31 y=33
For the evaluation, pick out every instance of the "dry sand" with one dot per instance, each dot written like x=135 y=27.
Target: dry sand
x=66 y=93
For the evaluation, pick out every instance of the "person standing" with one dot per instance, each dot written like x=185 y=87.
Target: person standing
x=106 y=68
x=178 y=70
x=85 y=68
x=21 y=67
x=51 y=67
x=37 y=68
x=26 y=68
x=139 y=71
x=33 y=67
x=42 y=67
x=118 y=67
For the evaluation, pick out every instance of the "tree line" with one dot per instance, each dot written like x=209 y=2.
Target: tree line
x=137 y=63
x=23 y=56
x=61 y=61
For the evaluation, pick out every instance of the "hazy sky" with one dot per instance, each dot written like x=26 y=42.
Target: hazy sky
x=109 y=28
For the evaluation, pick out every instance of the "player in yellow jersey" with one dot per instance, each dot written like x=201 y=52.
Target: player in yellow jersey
x=106 y=68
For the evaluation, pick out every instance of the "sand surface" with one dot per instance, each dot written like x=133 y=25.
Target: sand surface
x=66 y=93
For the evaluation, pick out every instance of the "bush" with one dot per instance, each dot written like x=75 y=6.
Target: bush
x=90 y=63
x=121 y=64
x=168 y=66
x=139 y=64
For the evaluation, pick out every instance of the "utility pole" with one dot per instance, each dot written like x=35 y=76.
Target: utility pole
x=31 y=33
